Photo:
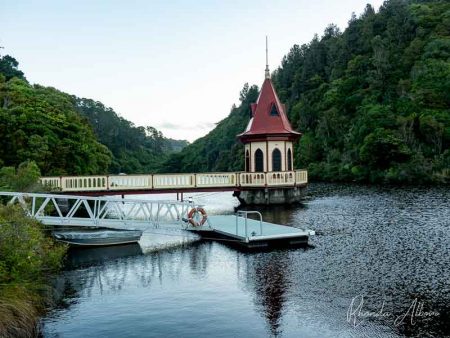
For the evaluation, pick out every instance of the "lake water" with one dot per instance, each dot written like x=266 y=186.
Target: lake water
x=379 y=266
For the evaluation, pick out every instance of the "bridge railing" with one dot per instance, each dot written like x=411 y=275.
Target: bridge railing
x=301 y=177
x=170 y=181
x=121 y=182
x=281 y=178
x=252 y=179
x=216 y=180
x=53 y=182
x=83 y=183
x=176 y=181
x=71 y=210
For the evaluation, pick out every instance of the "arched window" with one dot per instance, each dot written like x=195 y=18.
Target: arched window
x=259 y=161
x=276 y=160
x=289 y=159
x=247 y=161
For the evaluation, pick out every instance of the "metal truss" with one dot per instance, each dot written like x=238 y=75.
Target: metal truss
x=69 y=210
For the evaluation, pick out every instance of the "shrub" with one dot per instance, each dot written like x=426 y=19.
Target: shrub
x=27 y=259
x=25 y=178
x=26 y=254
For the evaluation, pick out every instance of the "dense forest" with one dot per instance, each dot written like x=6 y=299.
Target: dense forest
x=64 y=134
x=134 y=149
x=372 y=102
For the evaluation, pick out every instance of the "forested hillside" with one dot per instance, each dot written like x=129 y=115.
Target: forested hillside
x=372 y=102
x=65 y=134
x=41 y=124
x=134 y=149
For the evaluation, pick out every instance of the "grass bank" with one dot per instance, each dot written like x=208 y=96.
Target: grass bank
x=28 y=259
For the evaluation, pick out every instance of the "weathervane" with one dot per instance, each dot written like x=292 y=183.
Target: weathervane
x=267 y=61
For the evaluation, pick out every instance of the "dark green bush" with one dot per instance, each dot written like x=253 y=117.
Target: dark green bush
x=27 y=259
x=26 y=253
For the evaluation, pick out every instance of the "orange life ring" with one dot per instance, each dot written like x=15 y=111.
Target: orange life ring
x=193 y=212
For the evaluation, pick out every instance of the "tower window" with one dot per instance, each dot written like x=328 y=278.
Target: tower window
x=274 y=110
x=276 y=160
x=289 y=158
x=259 y=161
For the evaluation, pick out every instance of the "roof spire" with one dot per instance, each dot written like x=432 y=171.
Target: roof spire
x=267 y=71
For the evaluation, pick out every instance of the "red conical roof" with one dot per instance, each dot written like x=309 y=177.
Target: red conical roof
x=269 y=117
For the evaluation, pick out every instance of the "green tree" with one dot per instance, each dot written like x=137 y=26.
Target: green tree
x=41 y=124
x=25 y=178
x=9 y=67
x=134 y=149
x=372 y=101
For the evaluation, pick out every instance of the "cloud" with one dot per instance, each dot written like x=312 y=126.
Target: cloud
x=169 y=125
x=175 y=126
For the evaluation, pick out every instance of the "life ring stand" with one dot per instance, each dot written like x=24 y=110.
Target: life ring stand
x=193 y=212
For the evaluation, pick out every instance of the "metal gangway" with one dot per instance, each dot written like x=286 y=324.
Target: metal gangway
x=83 y=211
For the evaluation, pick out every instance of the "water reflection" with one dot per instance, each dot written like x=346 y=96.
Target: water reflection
x=120 y=267
x=99 y=272
x=280 y=214
x=267 y=278
x=79 y=257
x=387 y=245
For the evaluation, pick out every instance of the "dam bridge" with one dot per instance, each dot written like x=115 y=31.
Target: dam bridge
x=100 y=185
x=269 y=176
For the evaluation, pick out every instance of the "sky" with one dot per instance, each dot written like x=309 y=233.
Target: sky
x=175 y=65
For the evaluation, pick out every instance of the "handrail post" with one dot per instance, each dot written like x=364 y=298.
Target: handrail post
x=33 y=205
x=260 y=223
x=246 y=236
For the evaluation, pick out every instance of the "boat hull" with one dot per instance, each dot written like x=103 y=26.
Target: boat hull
x=99 y=237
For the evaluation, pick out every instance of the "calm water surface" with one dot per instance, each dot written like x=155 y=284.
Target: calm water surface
x=384 y=252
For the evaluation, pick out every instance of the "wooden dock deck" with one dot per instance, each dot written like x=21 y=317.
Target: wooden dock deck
x=250 y=233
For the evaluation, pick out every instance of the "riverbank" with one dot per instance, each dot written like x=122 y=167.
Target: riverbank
x=28 y=259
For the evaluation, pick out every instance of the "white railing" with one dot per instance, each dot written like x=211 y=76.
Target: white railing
x=173 y=181
x=301 y=177
x=68 y=210
x=243 y=215
x=216 y=180
x=83 y=183
x=176 y=181
x=252 y=179
x=51 y=182
x=120 y=182
x=283 y=178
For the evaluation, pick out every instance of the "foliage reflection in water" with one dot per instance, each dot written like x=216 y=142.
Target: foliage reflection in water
x=385 y=245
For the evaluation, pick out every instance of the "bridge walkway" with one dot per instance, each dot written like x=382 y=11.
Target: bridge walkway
x=159 y=183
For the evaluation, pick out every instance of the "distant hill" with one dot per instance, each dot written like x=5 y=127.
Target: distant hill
x=372 y=102
x=41 y=124
x=134 y=149
x=65 y=134
x=177 y=145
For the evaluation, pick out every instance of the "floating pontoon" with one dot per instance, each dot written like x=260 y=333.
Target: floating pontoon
x=251 y=233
